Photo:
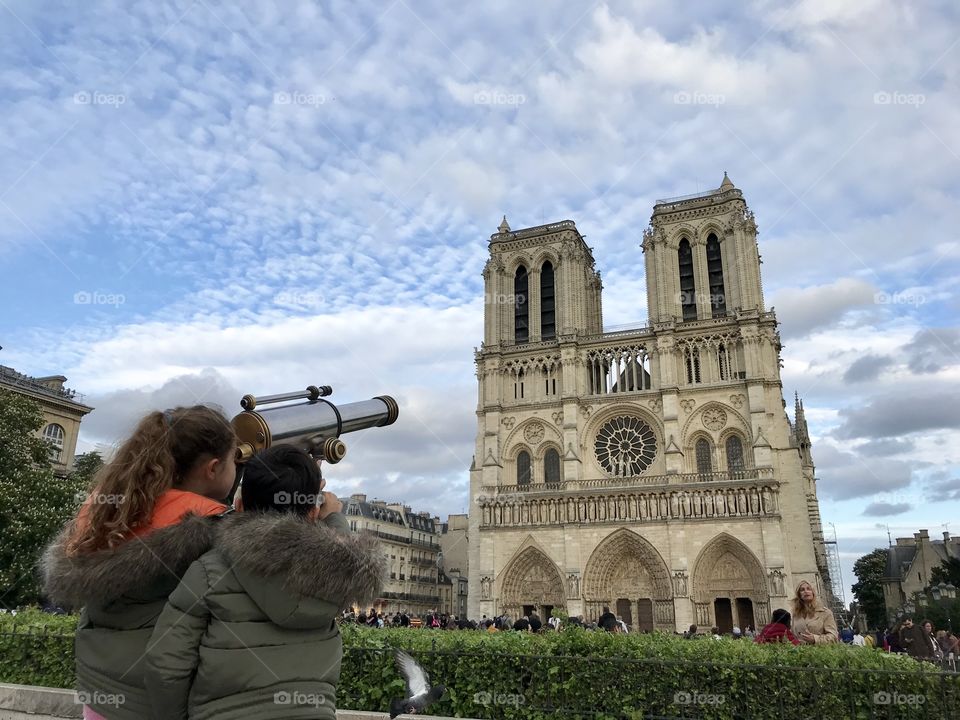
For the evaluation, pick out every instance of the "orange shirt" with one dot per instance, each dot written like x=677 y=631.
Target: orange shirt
x=174 y=504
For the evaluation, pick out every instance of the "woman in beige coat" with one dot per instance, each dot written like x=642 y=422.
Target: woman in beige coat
x=813 y=624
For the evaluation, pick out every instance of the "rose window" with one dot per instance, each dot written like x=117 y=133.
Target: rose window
x=626 y=446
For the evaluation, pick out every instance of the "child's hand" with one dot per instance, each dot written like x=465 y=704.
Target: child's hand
x=331 y=504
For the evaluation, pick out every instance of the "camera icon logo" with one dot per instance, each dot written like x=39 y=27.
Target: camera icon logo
x=281 y=498
x=281 y=697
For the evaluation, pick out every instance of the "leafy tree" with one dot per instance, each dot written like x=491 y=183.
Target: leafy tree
x=34 y=501
x=85 y=467
x=947 y=572
x=868 y=589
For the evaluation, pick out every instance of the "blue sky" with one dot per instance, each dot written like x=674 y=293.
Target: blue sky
x=203 y=199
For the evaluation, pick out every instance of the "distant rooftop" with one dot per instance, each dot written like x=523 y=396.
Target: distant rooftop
x=51 y=385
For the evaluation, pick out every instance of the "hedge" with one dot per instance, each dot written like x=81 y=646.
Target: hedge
x=580 y=674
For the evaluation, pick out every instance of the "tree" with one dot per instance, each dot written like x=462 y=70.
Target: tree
x=34 y=502
x=947 y=572
x=85 y=467
x=868 y=589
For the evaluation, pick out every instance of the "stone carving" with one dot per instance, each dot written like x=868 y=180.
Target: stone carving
x=687 y=405
x=634 y=505
x=714 y=418
x=625 y=446
x=557 y=418
x=777 y=583
x=585 y=410
x=656 y=405
x=485 y=585
x=573 y=585
x=737 y=401
x=680 y=583
x=533 y=433
x=508 y=422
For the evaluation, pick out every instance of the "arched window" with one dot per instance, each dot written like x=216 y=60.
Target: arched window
x=688 y=286
x=521 y=311
x=53 y=434
x=735 y=461
x=718 y=298
x=548 y=316
x=723 y=362
x=691 y=357
x=523 y=468
x=551 y=467
x=704 y=459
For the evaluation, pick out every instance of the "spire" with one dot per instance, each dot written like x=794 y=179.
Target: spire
x=726 y=184
x=504 y=226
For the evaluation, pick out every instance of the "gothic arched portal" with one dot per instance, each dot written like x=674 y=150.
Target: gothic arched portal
x=627 y=574
x=728 y=586
x=531 y=580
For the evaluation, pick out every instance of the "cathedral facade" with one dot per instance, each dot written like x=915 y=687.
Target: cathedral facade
x=652 y=470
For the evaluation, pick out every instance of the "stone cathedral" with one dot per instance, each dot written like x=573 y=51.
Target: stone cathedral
x=653 y=470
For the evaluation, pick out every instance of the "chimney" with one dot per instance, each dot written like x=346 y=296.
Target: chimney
x=946 y=537
x=923 y=535
x=359 y=497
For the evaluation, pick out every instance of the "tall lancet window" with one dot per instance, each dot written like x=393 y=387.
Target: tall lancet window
x=521 y=310
x=703 y=453
x=523 y=468
x=718 y=298
x=688 y=286
x=548 y=315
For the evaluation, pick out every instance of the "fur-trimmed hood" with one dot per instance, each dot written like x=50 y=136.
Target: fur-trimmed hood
x=152 y=563
x=307 y=558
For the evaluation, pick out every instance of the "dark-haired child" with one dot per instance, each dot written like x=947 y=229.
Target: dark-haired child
x=147 y=518
x=778 y=630
x=251 y=631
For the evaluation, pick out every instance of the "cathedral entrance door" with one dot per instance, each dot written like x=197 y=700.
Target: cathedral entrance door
x=644 y=615
x=724 y=615
x=745 y=613
x=545 y=611
x=527 y=609
x=624 y=611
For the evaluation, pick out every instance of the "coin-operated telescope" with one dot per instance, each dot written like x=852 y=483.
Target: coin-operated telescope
x=314 y=425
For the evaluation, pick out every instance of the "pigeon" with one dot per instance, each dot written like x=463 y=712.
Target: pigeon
x=419 y=693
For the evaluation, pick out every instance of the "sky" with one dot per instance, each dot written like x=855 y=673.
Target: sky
x=203 y=199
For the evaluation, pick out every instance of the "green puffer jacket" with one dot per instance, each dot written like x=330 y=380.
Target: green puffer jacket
x=122 y=592
x=251 y=631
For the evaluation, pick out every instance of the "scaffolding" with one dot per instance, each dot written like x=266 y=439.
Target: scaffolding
x=834 y=579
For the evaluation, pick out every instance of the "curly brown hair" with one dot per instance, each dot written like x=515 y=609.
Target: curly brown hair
x=802 y=609
x=163 y=449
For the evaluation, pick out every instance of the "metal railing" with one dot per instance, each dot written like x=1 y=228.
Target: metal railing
x=748 y=474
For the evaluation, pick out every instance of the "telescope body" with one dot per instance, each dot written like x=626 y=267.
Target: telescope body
x=314 y=426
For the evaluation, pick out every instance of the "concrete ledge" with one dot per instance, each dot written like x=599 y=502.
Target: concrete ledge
x=29 y=702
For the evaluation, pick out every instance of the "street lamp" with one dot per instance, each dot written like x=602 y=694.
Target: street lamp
x=937 y=590
x=949 y=590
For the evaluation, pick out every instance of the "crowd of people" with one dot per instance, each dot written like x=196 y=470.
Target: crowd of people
x=808 y=622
